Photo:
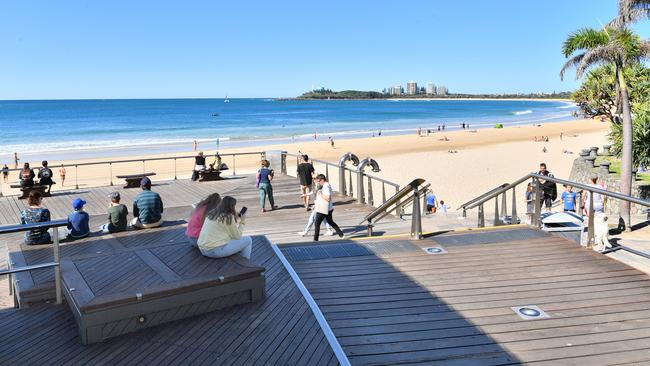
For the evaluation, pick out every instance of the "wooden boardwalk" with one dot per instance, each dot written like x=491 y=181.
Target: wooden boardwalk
x=402 y=305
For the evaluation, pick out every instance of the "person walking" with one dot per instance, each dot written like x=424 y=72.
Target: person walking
x=305 y=173
x=5 y=173
x=16 y=159
x=222 y=232
x=324 y=207
x=264 y=178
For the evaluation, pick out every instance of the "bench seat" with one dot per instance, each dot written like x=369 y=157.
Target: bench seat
x=133 y=180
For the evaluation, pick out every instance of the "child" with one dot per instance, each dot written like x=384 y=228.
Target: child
x=431 y=203
x=78 y=221
x=442 y=208
x=569 y=199
x=116 y=215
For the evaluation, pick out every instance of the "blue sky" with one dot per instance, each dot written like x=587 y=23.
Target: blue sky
x=161 y=49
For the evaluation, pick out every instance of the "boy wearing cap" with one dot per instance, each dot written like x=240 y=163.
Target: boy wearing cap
x=78 y=221
x=117 y=213
x=147 y=207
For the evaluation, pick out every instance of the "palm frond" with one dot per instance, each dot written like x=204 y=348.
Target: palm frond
x=595 y=56
x=572 y=62
x=630 y=11
x=583 y=39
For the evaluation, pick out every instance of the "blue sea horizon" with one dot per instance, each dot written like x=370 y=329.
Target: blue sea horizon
x=85 y=128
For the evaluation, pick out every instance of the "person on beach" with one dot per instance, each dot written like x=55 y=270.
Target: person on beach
x=305 y=173
x=45 y=176
x=222 y=232
x=147 y=207
x=332 y=142
x=380 y=132
x=197 y=217
x=5 y=173
x=199 y=164
x=35 y=213
x=62 y=175
x=78 y=221
x=26 y=176
x=16 y=159
x=530 y=203
x=431 y=203
x=324 y=207
x=195 y=145
x=569 y=199
x=443 y=207
x=117 y=213
x=264 y=178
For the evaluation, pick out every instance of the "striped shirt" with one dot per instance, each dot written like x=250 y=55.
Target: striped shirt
x=148 y=207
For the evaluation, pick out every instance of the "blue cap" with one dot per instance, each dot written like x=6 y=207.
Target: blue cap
x=145 y=182
x=78 y=203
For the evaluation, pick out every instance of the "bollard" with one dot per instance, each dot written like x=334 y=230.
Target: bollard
x=604 y=167
x=590 y=161
x=593 y=151
x=606 y=149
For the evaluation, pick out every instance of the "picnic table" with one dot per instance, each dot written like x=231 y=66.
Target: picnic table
x=207 y=175
x=43 y=189
x=133 y=180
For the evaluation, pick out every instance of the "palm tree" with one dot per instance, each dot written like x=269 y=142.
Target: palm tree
x=630 y=11
x=621 y=48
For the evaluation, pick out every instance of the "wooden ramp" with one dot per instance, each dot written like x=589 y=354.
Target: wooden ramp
x=391 y=302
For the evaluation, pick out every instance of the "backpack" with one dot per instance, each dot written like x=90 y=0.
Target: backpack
x=46 y=173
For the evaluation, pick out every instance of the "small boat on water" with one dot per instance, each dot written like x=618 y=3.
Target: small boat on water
x=215 y=114
x=226 y=100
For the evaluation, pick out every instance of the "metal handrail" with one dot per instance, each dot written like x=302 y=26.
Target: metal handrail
x=464 y=205
x=404 y=204
x=7 y=229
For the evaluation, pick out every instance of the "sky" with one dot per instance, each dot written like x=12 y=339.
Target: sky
x=202 y=49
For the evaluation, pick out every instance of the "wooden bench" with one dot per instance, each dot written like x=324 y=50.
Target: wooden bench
x=44 y=190
x=133 y=180
x=151 y=286
x=209 y=175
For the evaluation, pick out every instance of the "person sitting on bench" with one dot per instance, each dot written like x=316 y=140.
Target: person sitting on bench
x=221 y=234
x=199 y=164
x=27 y=176
x=45 y=176
x=117 y=213
x=33 y=214
x=78 y=221
x=147 y=207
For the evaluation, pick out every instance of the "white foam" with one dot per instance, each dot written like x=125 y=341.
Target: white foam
x=528 y=111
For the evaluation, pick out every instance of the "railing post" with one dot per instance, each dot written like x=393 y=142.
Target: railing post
x=590 y=227
x=424 y=201
x=369 y=196
x=514 y=207
x=342 y=187
x=283 y=162
x=144 y=170
x=327 y=172
x=398 y=205
x=57 y=268
x=76 y=177
x=360 y=195
x=351 y=191
x=110 y=172
x=233 y=164
x=175 y=176
x=370 y=226
x=383 y=192
x=481 y=216
x=416 y=223
x=504 y=206
x=536 y=219
x=497 y=222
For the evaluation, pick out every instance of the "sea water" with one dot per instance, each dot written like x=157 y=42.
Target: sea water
x=69 y=129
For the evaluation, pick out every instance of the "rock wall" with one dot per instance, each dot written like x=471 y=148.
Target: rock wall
x=581 y=172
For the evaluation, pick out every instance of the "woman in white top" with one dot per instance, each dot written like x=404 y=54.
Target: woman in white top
x=221 y=234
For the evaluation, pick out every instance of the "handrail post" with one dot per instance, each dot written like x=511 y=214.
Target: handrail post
x=144 y=170
x=369 y=196
x=383 y=193
x=504 y=206
x=342 y=187
x=76 y=177
x=497 y=222
x=57 y=269
x=536 y=219
x=110 y=172
x=424 y=201
x=481 y=216
x=416 y=223
x=360 y=196
x=514 y=218
x=233 y=164
x=590 y=227
x=351 y=191
x=398 y=205
x=327 y=172
x=175 y=176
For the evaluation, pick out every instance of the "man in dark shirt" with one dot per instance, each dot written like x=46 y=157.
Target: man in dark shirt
x=117 y=213
x=27 y=176
x=147 y=207
x=45 y=176
x=306 y=177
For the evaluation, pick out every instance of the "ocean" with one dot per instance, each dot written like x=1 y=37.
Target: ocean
x=69 y=129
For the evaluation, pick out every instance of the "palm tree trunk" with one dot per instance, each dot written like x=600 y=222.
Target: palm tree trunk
x=626 y=158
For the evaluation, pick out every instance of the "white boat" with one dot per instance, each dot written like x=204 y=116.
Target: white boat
x=226 y=100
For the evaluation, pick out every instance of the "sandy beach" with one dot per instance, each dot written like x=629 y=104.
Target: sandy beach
x=484 y=159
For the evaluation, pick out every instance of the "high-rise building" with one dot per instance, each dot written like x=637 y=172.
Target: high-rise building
x=431 y=89
x=442 y=90
x=411 y=88
x=397 y=90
